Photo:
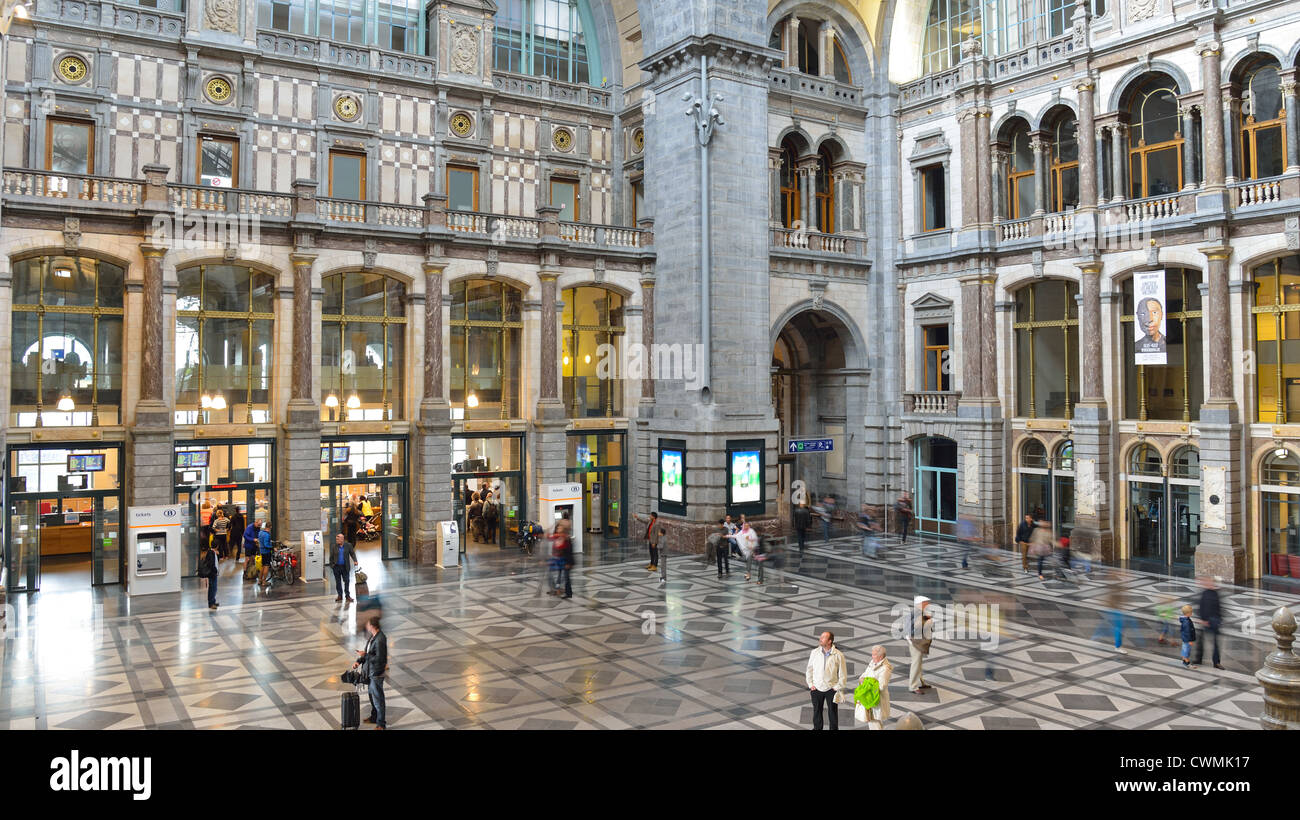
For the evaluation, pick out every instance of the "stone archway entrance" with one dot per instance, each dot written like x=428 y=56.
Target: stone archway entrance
x=818 y=389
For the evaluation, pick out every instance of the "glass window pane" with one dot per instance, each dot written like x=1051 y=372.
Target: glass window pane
x=346 y=175
x=462 y=189
x=216 y=162
x=1268 y=152
x=70 y=146
x=1163 y=169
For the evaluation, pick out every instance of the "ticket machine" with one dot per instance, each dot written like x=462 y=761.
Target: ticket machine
x=448 y=545
x=313 y=556
x=153 y=542
x=563 y=501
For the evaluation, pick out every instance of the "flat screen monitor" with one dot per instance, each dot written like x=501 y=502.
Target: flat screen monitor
x=342 y=454
x=85 y=462
x=77 y=482
x=324 y=454
x=190 y=477
x=189 y=459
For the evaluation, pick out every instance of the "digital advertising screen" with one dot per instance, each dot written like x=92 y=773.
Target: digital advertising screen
x=191 y=459
x=670 y=476
x=746 y=477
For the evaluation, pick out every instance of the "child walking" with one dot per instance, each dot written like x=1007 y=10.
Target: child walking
x=1188 y=634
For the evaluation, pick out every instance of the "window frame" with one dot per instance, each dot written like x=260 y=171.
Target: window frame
x=361 y=182
x=791 y=201
x=924 y=171
x=1057 y=169
x=576 y=185
x=1141 y=151
x=942 y=381
x=88 y=124
x=1279 y=310
x=1015 y=178
x=500 y=325
x=472 y=171
x=1029 y=326
x=612 y=334
x=392 y=411
x=198 y=157
x=1248 y=131
x=1183 y=317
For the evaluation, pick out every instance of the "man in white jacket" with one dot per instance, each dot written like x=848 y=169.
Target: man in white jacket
x=826 y=677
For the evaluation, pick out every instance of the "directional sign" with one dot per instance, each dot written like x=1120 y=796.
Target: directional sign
x=810 y=445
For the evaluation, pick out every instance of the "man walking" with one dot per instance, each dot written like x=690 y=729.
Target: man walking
x=917 y=631
x=826 y=510
x=1024 y=534
x=826 y=677
x=375 y=659
x=339 y=561
x=1210 y=614
x=802 y=520
x=903 y=509
x=868 y=537
x=723 y=550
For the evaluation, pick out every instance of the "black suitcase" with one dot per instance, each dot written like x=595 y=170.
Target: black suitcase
x=351 y=710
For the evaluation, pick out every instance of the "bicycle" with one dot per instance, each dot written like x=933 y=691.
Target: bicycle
x=284 y=564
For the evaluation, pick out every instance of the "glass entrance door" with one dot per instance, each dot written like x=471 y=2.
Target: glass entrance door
x=385 y=526
x=935 y=488
x=1146 y=501
x=477 y=529
x=243 y=504
x=1164 y=522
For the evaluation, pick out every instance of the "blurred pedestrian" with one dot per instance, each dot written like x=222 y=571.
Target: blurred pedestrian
x=826 y=676
x=966 y=536
x=747 y=540
x=881 y=670
x=651 y=541
x=1040 y=544
x=662 y=549
x=903 y=509
x=1167 y=613
x=208 y=572
x=1210 y=612
x=802 y=521
x=562 y=551
x=1024 y=533
x=866 y=528
x=1113 y=621
x=375 y=660
x=723 y=549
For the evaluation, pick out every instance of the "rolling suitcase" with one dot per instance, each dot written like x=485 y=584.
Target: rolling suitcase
x=350 y=707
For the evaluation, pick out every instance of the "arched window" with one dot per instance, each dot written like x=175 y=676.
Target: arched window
x=1047 y=349
x=1186 y=463
x=1277 y=340
x=1155 y=138
x=1145 y=461
x=809 y=51
x=225 y=320
x=1034 y=455
x=1280 y=512
x=486 y=325
x=1261 y=124
x=1174 y=391
x=593 y=339
x=1020 y=173
x=66 y=342
x=790 y=204
x=1065 y=165
x=546 y=38
x=363 y=347
x=825 y=192
x=1035 y=480
x=949 y=23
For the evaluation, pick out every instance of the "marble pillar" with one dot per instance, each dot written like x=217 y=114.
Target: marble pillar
x=969 y=182
x=647 y=337
x=298 y=450
x=432 y=445
x=983 y=123
x=1213 y=150
x=1189 y=161
x=152 y=479
x=1039 y=148
x=1089 y=148
x=1091 y=425
x=1118 y=162
x=1291 y=100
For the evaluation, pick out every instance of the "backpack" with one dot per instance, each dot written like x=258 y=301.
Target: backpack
x=490 y=511
x=867 y=695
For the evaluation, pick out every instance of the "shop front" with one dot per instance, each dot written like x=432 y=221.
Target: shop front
x=489 y=470
x=368 y=474
x=227 y=476
x=597 y=461
x=64 y=516
x=1164 y=509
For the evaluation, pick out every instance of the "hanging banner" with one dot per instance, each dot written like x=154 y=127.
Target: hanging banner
x=1150 y=345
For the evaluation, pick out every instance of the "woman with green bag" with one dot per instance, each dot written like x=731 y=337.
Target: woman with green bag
x=872 y=695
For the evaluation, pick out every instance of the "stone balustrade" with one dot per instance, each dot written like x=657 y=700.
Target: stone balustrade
x=931 y=403
x=822 y=242
x=1257 y=192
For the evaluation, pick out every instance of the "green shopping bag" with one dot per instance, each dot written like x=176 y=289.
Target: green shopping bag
x=867 y=695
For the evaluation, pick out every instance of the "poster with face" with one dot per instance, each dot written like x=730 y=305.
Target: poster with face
x=670 y=476
x=1150 y=345
x=746 y=480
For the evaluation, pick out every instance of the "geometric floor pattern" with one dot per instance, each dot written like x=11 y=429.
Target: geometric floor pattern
x=494 y=652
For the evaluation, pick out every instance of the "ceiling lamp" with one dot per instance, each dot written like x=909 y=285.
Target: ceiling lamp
x=354 y=402
x=472 y=401
x=205 y=401
x=218 y=402
x=331 y=400
x=66 y=404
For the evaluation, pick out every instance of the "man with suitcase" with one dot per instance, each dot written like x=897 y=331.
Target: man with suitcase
x=339 y=562
x=374 y=663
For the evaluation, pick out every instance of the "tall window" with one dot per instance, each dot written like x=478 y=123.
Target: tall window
x=564 y=193
x=1047 y=350
x=1020 y=174
x=396 y=25
x=1155 y=139
x=545 y=38
x=1059 y=16
x=593 y=338
x=363 y=347
x=934 y=199
x=936 y=375
x=1277 y=340
x=825 y=193
x=225 y=321
x=218 y=162
x=462 y=188
x=949 y=23
x=1065 y=165
x=486 y=325
x=1175 y=391
x=790 y=205
x=69 y=146
x=347 y=175
x=67 y=342
x=1262 y=125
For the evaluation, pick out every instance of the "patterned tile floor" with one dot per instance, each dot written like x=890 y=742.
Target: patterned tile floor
x=490 y=650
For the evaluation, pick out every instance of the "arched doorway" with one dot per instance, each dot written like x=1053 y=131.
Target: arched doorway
x=1164 y=508
x=817 y=386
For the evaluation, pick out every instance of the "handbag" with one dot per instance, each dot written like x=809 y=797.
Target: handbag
x=867 y=695
x=361 y=576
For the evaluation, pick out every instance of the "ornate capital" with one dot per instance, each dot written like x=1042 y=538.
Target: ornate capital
x=1210 y=48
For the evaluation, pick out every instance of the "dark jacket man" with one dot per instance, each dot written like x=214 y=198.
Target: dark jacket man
x=373 y=661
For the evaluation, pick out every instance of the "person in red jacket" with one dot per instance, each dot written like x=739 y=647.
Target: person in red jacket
x=562 y=555
x=652 y=542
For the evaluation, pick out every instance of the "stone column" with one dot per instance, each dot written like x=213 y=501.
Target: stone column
x=808 y=193
x=983 y=123
x=1222 y=549
x=972 y=347
x=1089 y=146
x=792 y=43
x=988 y=339
x=549 y=382
x=1189 y=161
x=1001 y=208
x=298 y=453
x=548 y=440
x=151 y=476
x=969 y=181
x=432 y=445
x=1292 y=102
x=1119 y=162
x=647 y=337
x=774 y=183
x=979 y=427
x=827 y=50
x=1213 y=150
x=1091 y=426
x=1100 y=179
x=1039 y=148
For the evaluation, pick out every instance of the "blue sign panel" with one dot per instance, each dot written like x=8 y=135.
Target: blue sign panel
x=810 y=445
